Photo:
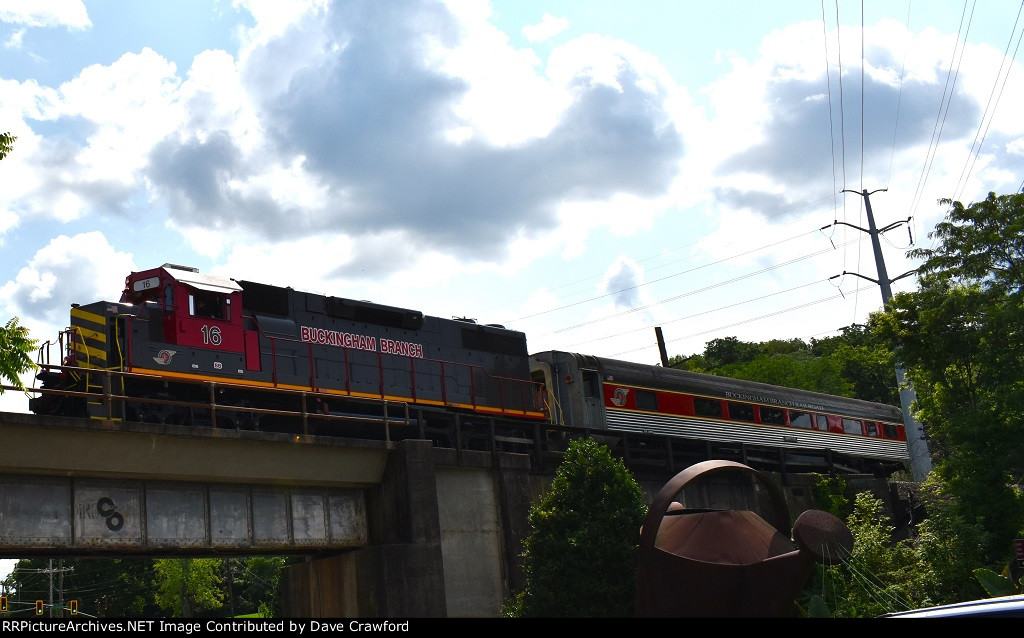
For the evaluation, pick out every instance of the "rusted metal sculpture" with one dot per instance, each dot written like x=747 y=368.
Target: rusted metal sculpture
x=729 y=563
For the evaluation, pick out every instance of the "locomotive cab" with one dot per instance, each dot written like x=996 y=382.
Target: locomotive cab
x=188 y=308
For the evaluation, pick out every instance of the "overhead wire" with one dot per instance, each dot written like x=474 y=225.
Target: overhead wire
x=952 y=74
x=699 y=290
x=899 y=101
x=660 y=266
x=745 y=321
x=660 y=279
x=987 y=116
x=831 y=125
x=703 y=312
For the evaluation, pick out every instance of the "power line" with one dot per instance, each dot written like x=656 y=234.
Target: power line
x=940 y=118
x=899 y=101
x=699 y=290
x=745 y=321
x=654 y=281
x=966 y=173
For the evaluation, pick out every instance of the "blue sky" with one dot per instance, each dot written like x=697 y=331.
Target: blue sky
x=582 y=171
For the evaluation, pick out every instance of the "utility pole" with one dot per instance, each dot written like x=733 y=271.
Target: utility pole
x=917 y=447
x=60 y=586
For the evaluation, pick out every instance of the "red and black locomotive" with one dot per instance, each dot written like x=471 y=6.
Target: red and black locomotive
x=269 y=347
x=256 y=355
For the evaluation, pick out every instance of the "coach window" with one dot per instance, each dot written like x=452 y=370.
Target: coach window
x=872 y=428
x=801 y=420
x=890 y=431
x=853 y=426
x=772 y=416
x=646 y=400
x=822 y=422
x=741 y=412
x=707 y=407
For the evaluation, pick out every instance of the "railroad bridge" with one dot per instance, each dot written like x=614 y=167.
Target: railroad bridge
x=390 y=528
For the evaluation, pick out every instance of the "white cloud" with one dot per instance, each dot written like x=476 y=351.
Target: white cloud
x=46 y=13
x=70 y=269
x=14 y=42
x=549 y=27
x=123 y=109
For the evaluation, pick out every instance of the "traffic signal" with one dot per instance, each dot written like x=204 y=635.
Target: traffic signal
x=3 y=604
x=73 y=606
x=39 y=608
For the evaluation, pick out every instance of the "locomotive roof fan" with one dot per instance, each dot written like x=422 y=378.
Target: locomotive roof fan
x=729 y=563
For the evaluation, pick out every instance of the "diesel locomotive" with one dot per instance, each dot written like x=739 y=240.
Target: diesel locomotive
x=187 y=348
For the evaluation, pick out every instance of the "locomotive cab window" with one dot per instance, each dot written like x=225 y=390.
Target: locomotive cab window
x=591 y=383
x=707 y=407
x=209 y=305
x=646 y=400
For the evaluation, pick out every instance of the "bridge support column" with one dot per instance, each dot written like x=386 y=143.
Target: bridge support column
x=401 y=573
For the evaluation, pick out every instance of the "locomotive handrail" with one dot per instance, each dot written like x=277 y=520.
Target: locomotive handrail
x=545 y=442
x=108 y=397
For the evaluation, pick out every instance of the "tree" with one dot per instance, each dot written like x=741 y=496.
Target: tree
x=854 y=364
x=15 y=353
x=188 y=585
x=864 y=361
x=580 y=558
x=15 y=346
x=103 y=587
x=255 y=583
x=959 y=336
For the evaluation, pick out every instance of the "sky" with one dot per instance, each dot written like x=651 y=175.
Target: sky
x=584 y=171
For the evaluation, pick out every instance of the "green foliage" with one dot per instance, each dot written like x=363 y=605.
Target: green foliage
x=949 y=545
x=6 y=144
x=188 y=585
x=1000 y=584
x=255 y=583
x=853 y=364
x=729 y=350
x=15 y=353
x=103 y=587
x=797 y=370
x=830 y=495
x=879 y=576
x=580 y=558
x=130 y=587
x=959 y=337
